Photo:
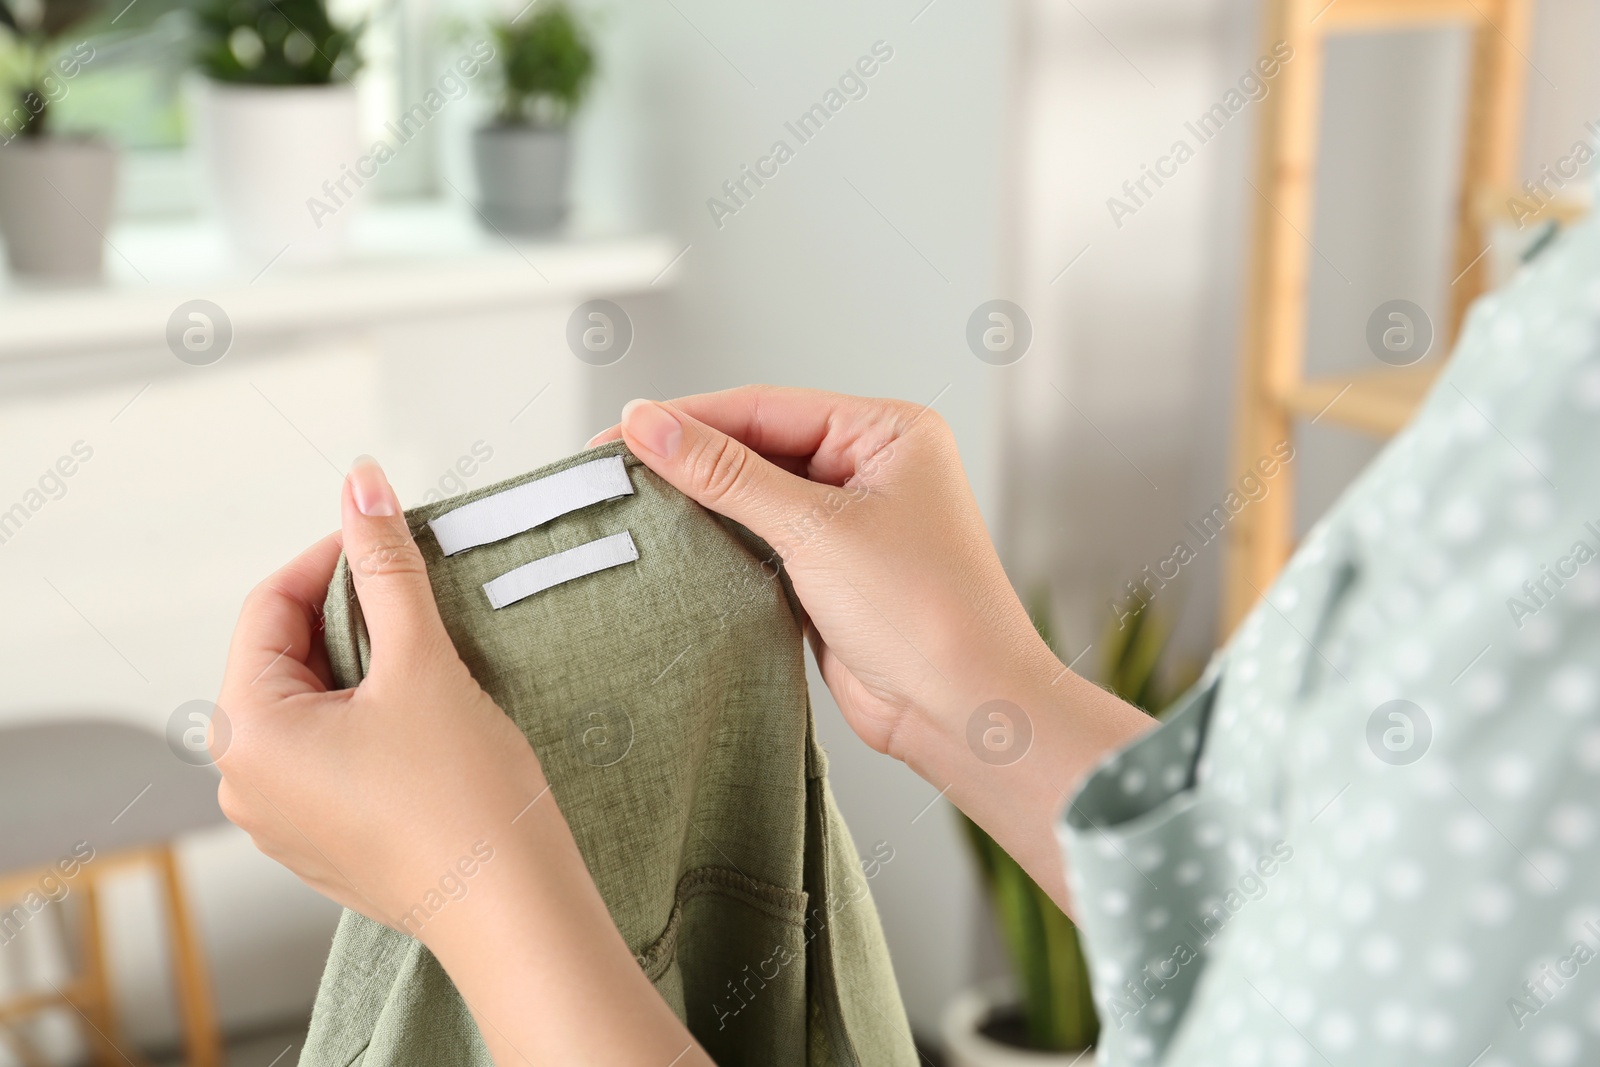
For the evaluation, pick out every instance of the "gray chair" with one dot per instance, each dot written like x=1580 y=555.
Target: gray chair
x=79 y=800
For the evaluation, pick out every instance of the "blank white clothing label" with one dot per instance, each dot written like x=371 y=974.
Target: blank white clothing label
x=541 y=574
x=495 y=518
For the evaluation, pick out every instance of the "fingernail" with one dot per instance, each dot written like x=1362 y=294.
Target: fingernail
x=371 y=488
x=653 y=427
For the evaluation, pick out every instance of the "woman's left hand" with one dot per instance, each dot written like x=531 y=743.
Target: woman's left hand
x=415 y=800
x=372 y=795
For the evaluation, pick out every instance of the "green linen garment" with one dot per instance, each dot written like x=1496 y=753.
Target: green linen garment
x=1368 y=836
x=666 y=699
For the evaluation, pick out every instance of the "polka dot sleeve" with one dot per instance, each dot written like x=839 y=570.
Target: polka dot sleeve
x=1142 y=846
x=1369 y=835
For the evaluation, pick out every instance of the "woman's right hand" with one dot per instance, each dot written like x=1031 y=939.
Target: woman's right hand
x=913 y=621
x=911 y=615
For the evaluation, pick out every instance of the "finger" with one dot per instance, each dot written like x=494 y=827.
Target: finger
x=799 y=466
x=715 y=469
x=276 y=643
x=774 y=422
x=390 y=578
x=769 y=419
x=834 y=432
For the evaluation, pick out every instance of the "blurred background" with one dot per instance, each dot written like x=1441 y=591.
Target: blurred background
x=248 y=241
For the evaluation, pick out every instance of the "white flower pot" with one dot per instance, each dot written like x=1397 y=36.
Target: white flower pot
x=281 y=162
x=965 y=1044
x=55 y=205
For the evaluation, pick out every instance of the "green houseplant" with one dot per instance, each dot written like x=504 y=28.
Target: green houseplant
x=46 y=48
x=274 y=42
x=278 y=123
x=55 y=189
x=545 y=65
x=1055 y=1012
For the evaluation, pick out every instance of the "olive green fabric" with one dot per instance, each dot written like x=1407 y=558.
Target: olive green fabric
x=666 y=699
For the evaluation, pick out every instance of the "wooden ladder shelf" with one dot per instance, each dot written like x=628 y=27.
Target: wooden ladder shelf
x=1273 y=389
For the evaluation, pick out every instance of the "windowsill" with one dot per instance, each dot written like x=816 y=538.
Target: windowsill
x=403 y=260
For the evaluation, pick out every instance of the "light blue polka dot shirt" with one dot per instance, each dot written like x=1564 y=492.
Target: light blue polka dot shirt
x=1369 y=835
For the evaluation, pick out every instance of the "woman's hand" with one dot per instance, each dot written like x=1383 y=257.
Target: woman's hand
x=911 y=614
x=913 y=621
x=414 y=800
x=369 y=794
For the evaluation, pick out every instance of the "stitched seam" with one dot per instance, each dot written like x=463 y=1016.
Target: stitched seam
x=780 y=902
x=788 y=906
x=839 y=1038
x=655 y=959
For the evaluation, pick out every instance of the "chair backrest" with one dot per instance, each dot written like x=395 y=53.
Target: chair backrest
x=103 y=782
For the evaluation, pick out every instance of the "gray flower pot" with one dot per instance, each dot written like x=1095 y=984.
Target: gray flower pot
x=522 y=177
x=55 y=205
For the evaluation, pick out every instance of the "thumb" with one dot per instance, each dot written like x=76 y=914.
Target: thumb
x=390 y=578
x=716 y=470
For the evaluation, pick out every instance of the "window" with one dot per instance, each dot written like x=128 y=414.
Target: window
x=139 y=92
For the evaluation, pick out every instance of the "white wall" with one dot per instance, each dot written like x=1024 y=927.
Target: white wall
x=1116 y=428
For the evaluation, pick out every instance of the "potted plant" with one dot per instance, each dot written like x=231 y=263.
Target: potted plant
x=1046 y=1016
x=278 y=123
x=55 y=189
x=522 y=156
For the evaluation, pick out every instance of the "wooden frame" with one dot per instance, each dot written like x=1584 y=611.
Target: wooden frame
x=1273 y=391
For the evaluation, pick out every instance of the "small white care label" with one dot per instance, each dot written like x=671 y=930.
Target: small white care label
x=495 y=518
x=542 y=574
